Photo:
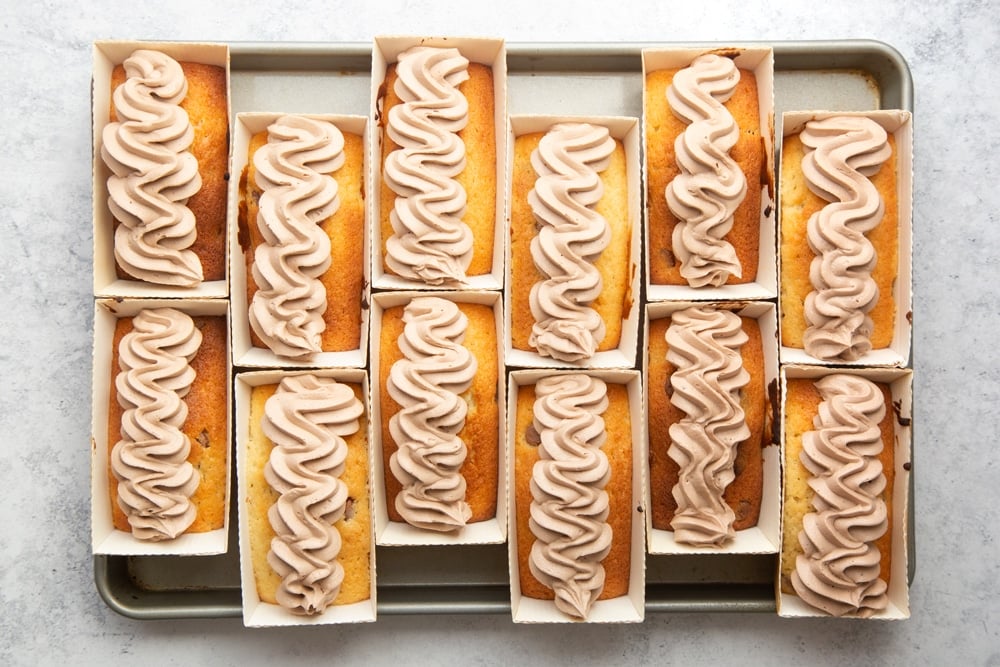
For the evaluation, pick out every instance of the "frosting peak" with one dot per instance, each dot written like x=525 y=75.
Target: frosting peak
x=430 y=242
x=842 y=153
x=838 y=570
x=307 y=419
x=427 y=382
x=710 y=186
x=704 y=345
x=155 y=479
x=153 y=172
x=292 y=170
x=569 y=507
x=571 y=237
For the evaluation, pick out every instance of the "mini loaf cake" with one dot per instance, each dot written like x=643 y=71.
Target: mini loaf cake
x=837 y=528
x=167 y=424
x=706 y=162
x=302 y=222
x=167 y=146
x=570 y=240
x=707 y=424
x=839 y=238
x=307 y=496
x=439 y=181
x=573 y=491
x=440 y=418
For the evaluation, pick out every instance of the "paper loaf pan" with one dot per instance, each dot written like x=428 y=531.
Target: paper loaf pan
x=348 y=253
x=899 y=412
x=388 y=532
x=107 y=55
x=485 y=51
x=256 y=612
x=764 y=537
x=897 y=123
x=628 y=607
x=106 y=539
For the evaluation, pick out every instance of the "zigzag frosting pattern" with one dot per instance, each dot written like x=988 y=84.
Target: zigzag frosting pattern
x=155 y=479
x=153 y=172
x=292 y=170
x=428 y=382
x=710 y=185
x=569 y=507
x=843 y=151
x=838 y=570
x=704 y=346
x=430 y=242
x=571 y=237
x=307 y=419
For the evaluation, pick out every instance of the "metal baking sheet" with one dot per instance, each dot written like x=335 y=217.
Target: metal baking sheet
x=597 y=79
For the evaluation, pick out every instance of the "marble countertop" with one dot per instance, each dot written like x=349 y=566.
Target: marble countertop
x=51 y=610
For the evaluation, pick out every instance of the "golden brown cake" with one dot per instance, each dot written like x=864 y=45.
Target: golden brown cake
x=797 y=204
x=343 y=281
x=207 y=107
x=354 y=528
x=618 y=449
x=744 y=493
x=662 y=129
x=480 y=432
x=613 y=302
x=478 y=178
x=801 y=403
x=205 y=426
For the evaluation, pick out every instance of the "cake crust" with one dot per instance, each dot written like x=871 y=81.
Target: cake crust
x=344 y=281
x=802 y=400
x=797 y=204
x=354 y=528
x=481 y=431
x=478 y=178
x=744 y=494
x=205 y=426
x=618 y=449
x=613 y=264
x=662 y=128
x=207 y=107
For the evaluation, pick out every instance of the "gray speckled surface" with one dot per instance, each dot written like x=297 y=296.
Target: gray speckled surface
x=51 y=612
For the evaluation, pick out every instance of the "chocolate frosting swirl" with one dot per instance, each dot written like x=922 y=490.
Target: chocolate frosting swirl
x=430 y=242
x=838 y=570
x=427 y=382
x=307 y=419
x=710 y=186
x=292 y=170
x=153 y=172
x=842 y=153
x=155 y=479
x=704 y=346
x=569 y=507
x=570 y=238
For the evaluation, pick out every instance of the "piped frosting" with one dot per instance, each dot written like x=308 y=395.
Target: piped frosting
x=838 y=570
x=307 y=419
x=155 y=479
x=842 y=153
x=569 y=507
x=153 y=172
x=570 y=238
x=430 y=242
x=704 y=345
x=293 y=171
x=428 y=382
x=710 y=186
